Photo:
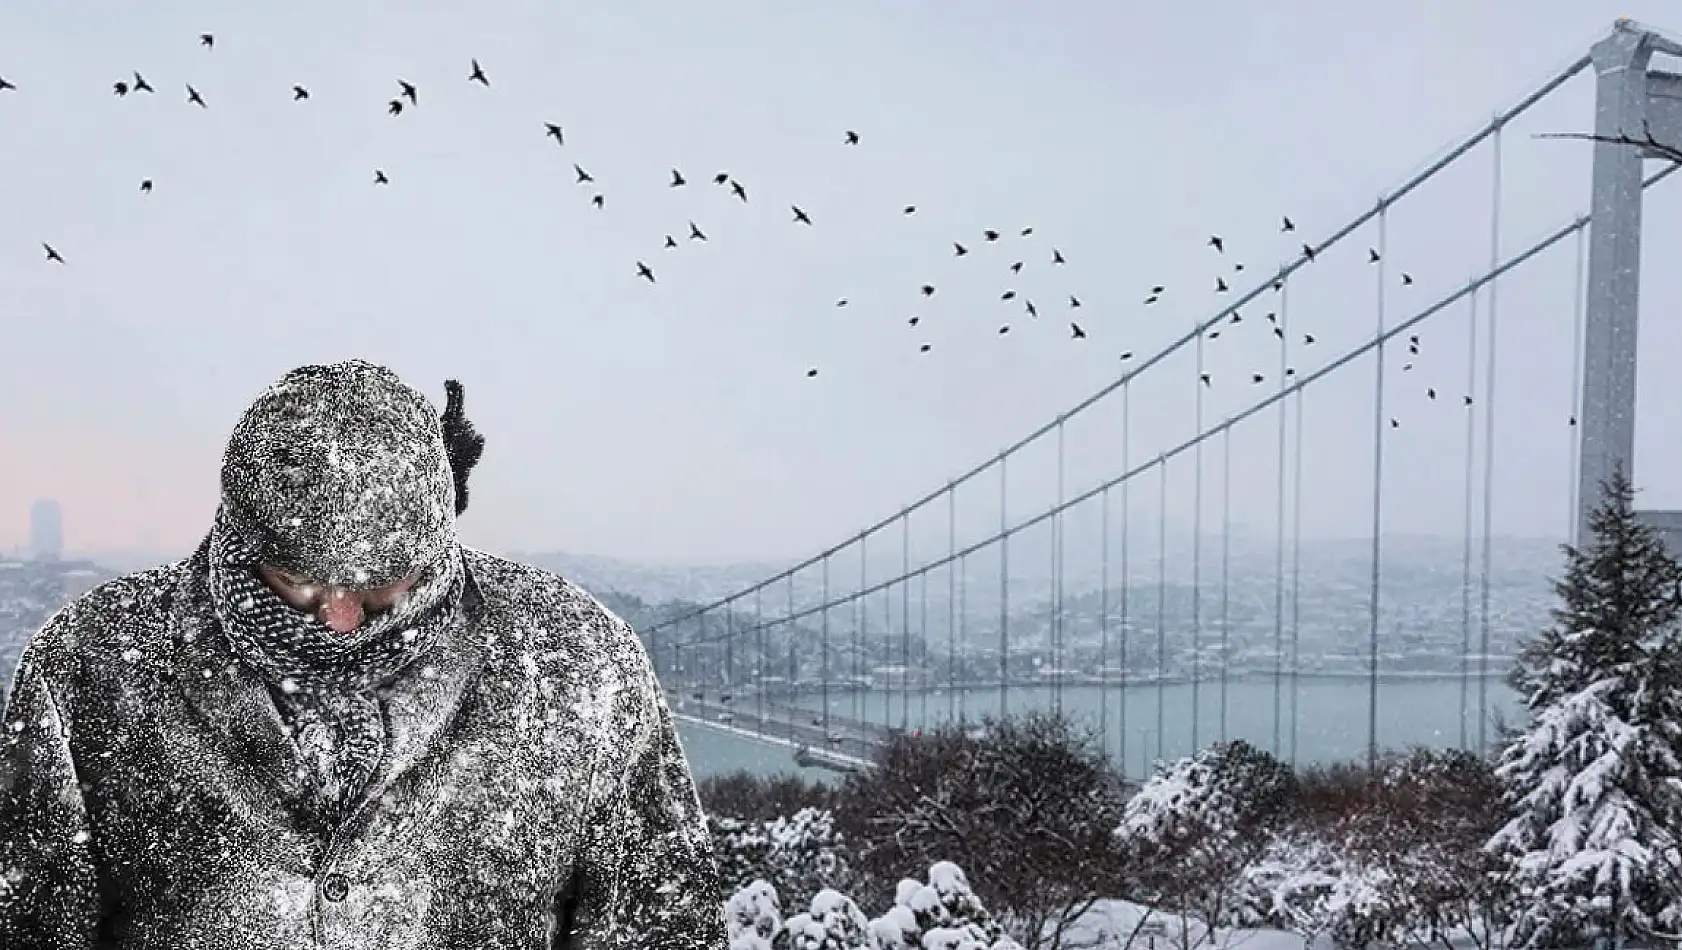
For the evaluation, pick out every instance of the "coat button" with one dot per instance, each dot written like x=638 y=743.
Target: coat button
x=334 y=887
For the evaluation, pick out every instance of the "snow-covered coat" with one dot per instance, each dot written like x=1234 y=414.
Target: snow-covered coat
x=535 y=796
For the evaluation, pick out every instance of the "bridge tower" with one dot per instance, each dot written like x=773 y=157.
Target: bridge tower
x=1631 y=98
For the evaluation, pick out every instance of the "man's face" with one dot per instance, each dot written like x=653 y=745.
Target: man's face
x=341 y=609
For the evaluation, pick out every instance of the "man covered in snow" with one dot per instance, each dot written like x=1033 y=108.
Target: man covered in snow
x=333 y=726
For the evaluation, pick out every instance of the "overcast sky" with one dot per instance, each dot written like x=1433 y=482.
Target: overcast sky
x=675 y=421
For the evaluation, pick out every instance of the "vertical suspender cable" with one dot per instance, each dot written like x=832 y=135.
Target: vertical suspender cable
x=1197 y=552
x=1467 y=509
x=1577 y=303
x=1279 y=537
x=1226 y=568
x=1057 y=583
x=923 y=677
x=823 y=671
x=1377 y=501
x=1161 y=599
x=952 y=568
x=862 y=628
x=1104 y=621
x=1004 y=588
x=1490 y=312
x=1296 y=577
x=759 y=663
x=905 y=622
x=1126 y=579
x=793 y=662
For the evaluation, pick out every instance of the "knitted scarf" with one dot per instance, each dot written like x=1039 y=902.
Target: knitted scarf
x=344 y=474
x=325 y=681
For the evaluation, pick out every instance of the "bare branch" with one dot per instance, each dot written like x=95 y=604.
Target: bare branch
x=1671 y=152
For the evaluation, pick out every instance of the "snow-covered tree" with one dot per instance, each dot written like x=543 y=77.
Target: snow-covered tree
x=799 y=855
x=1595 y=780
x=1197 y=826
x=1027 y=804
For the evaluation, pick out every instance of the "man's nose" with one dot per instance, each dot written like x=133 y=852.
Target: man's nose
x=341 y=611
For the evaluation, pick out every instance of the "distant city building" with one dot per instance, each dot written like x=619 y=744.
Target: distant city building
x=46 y=531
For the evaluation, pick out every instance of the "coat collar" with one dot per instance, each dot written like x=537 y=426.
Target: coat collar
x=234 y=703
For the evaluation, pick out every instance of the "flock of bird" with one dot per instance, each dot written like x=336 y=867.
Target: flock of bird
x=406 y=98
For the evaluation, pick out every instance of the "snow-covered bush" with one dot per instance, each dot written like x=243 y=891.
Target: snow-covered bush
x=1027 y=804
x=1198 y=825
x=942 y=913
x=798 y=855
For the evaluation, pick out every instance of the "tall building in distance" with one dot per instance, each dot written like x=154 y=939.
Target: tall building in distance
x=46 y=531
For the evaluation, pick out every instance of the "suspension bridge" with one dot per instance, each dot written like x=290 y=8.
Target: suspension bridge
x=1081 y=604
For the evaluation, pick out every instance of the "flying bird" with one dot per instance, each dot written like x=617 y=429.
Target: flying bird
x=1008 y=295
x=299 y=93
x=395 y=107
x=207 y=41
x=958 y=250
x=193 y=98
x=1220 y=286
x=811 y=372
x=1075 y=332
x=678 y=181
x=140 y=83
x=695 y=233
x=737 y=189
x=1406 y=278
x=644 y=272
x=1027 y=231
x=671 y=241
x=1057 y=256
x=721 y=178
x=1073 y=301
x=1216 y=243
x=52 y=255
x=1372 y=256
x=925 y=347
x=1307 y=252
x=146 y=186
x=1287 y=225
x=928 y=290
x=852 y=137
x=408 y=91
x=478 y=75
x=4 y=84
x=800 y=216
x=583 y=176
x=990 y=235
x=910 y=209
x=1016 y=268
x=914 y=321
x=379 y=178
x=554 y=131
x=1028 y=305
x=120 y=88
x=599 y=201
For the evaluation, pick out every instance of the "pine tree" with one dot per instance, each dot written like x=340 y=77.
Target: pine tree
x=1593 y=782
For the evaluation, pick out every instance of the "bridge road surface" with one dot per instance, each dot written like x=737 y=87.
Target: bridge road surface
x=803 y=727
